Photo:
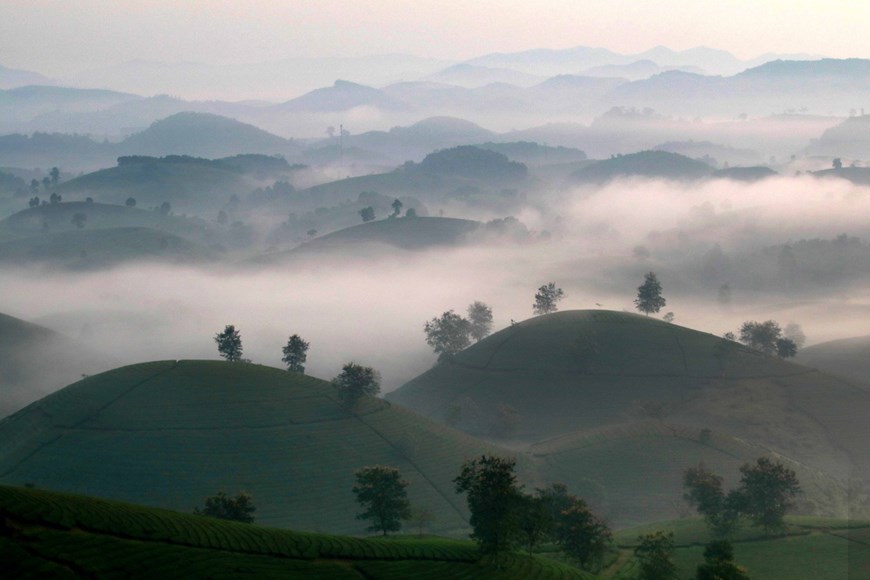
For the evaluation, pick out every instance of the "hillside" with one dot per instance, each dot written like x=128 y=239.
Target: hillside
x=48 y=534
x=87 y=249
x=171 y=433
x=202 y=135
x=404 y=233
x=849 y=357
x=647 y=164
x=581 y=370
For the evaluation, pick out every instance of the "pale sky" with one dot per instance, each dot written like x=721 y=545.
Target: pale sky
x=59 y=37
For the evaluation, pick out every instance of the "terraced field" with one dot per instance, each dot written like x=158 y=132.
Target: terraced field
x=822 y=549
x=170 y=433
x=48 y=534
x=583 y=370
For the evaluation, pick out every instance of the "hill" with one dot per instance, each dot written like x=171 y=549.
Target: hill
x=202 y=135
x=849 y=357
x=530 y=153
x=87 y=249
x=341 y=96
x=809 y=548
x=756 y=173
x=171 y=433
x=48 y=534
x=648 y=164
x=472 y=162
x=581 y=370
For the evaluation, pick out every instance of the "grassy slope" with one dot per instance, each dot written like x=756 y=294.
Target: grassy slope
x=170 y=433
x=405 y=233
x=101 y=248
x=44 y=533
x=849 y=357
x=811 y=548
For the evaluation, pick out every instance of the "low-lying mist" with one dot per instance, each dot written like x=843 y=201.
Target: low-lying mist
x=372 y=309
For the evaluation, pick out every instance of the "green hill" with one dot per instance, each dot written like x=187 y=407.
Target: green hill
x=103 y=248
x=648 y=164
x=849 y=357
x=582 y=370
x=810 y=548
x=47 y=534
x=189 y=184
x=170 y=433
x=405 y=233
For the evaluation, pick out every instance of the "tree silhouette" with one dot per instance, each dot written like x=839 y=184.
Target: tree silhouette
x=295 y=354
x=381 y=491
x=546 y=298
x=649 y=295
x=229 y=343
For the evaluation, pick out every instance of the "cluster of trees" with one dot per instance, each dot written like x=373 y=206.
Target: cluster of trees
x=768 y=338
x=503 y=517
x=238 y=509
x=766 y=492
x=450 y=333
x=655 y=555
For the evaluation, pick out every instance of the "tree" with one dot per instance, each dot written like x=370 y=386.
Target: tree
x=785 y=348
x=534 y=521
x=397 y=208
x=165 y=208
x=411 y=212
x=229 y=343
x=46 y=183
x=480 y=316
x=355 y=382
x=669 y=317
x=239 y=509
x=54 y=175
x=493 y=495
x=380 y=490
x=837 y=163
x=582 y=535
x=649 y=295
x=761 y=336
x=34 y=201
x=367 y=214
x=655 y=552
x=295 y=354
x=546 y=298
x=704 y=493
x=79 y=219
x=34 y=186
x=447 y=334
x=768 y=489
x=719 y=563
x=55 y=198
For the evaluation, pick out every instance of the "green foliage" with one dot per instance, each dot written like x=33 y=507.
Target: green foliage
x=719 y=563
x=761 y=336
x=480 y=316
x=295 y=354
x=655 y=553
x=493 y=496
x=704 y=493
x=768 y=489
x=355 y=382
x=367 y=214
x=546 y=299
x=397 y=208
x=229 y=343
x=582 y=535
x=534 y=521
x=380 y=490
x=238 y=509
x=448 y=334
x=649 y=295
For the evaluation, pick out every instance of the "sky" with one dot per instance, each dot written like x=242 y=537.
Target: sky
x=58 y=37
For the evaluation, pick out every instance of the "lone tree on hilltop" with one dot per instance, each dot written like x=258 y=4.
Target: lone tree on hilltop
x=546 y=298
x=649 y=295
x=493 y=496
x=131 y=202
x=355 y=382
x=448 y=334
x=238 y=509
x=229 y=343
x=380 y=490
x=295 y=354
x=397 y=208
x=480 y=316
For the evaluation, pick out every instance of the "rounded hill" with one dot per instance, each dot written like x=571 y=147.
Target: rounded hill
x=648 y=164
x=849 y=357
x=170 y=433
x=580 y=370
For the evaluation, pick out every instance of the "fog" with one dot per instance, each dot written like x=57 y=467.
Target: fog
x=372 y=309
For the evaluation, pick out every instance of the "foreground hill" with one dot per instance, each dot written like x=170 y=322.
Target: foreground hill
x=47 y=534
x=849 y=357
x=171 y=433
x=581 y=370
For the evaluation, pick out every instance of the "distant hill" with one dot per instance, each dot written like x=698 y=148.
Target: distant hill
x=472 y=162
x=582 y=370
x=413 y=142
x=55 y=532
x=857 y=175
x=20 y=105
x=87 y=249
x=639 y=69
x=721 y=154
x=11 y=78
x=648 y=164
x=341 y=96
x=530 y=153
x=745 y=173
x=849 y=139
x=170 y=433
x=849 y=357
x=467 y=75
x=202 y=135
